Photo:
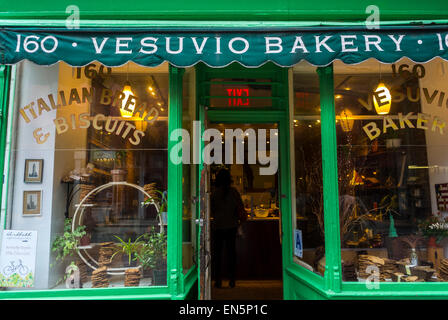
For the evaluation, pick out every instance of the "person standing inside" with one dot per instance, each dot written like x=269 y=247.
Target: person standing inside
x=226 y=203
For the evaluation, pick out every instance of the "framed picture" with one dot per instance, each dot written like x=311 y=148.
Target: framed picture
x=32 y=202
x=33 y=170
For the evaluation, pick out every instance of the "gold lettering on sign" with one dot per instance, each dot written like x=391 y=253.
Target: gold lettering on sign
x=30 y=108
x=127 y=130
x=135 y=140
x=368 y=105
x=74 y=96
x=405 y=120
x=153 y=117
x=130 y=102
x=108 y=127
x=422 y=118
x=38 y=136
x=87 y=95
x=84 y=121
x=106 y=96
x=118 y=126
x=41 y=105
x=422 y=121
x=61 y=125
x=372 y=130
x=388 y=123
x=431 y=96
x=95 y=121
x=140 y=109
x=118 y=98
x=24 y=116
x=54 y=106
x=437 y=123
x=397 y=96
x=110 y=124
x=409 y=94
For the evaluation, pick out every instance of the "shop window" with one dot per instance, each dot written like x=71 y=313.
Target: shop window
x=189 y=172
x=88 y=178
x=392 y=161
x=308 y=213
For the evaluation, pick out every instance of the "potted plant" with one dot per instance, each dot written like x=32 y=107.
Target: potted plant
x=159 y=244
x=152 y=255
x=146 y=256
x=119 y=172
x=393 y=139
x=159 y=197
x=64 y=246
x=129 y=249
x=435 y=229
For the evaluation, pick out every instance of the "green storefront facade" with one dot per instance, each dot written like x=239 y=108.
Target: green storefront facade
x=250 y=20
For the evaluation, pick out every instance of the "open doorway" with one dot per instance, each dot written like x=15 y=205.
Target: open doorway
x=258 y=251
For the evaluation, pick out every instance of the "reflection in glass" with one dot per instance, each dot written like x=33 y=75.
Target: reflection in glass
x=309 y=217
x=389 y=163
x=104 y=175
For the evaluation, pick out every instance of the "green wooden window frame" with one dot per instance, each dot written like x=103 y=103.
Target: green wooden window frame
x=332 y=275
x=334 y=287
x=5 y=79
x=178 y=284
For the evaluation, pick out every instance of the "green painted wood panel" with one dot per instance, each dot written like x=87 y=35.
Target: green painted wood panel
x=232 y=10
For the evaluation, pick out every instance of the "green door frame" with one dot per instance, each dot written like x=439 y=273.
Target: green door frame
x=277 y=114
x=333 y=277
x=282 y=119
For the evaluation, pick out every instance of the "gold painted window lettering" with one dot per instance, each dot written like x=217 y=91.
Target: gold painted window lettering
x=100 y=135
x=392 y=161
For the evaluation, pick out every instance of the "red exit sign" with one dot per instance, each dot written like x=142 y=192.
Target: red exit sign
x=238 y=97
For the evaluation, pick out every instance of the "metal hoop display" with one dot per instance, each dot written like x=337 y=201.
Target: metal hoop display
x=79 y=214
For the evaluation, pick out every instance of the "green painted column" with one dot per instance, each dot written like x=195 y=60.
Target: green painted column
x=4 y=103
x=174 y=263
x=332 y=275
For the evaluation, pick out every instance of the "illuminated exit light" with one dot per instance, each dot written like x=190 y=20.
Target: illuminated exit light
x=238 y=97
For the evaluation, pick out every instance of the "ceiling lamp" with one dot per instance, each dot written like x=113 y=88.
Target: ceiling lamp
x=347 y=120
x=127 y=90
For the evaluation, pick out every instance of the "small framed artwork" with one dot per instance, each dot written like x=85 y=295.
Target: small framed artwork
x=32 y=202
x=33 y=170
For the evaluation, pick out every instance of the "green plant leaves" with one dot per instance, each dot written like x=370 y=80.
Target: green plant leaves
x=129 y=248
x=153 y=250
x=65 y=244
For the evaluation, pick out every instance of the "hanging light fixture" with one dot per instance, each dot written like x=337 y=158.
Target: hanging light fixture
x=382 y=98
x=127 y=90
x=347 y=120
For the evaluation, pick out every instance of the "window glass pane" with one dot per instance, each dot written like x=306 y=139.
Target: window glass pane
x=308 y=218
x=391 y=161
x=89 y=176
